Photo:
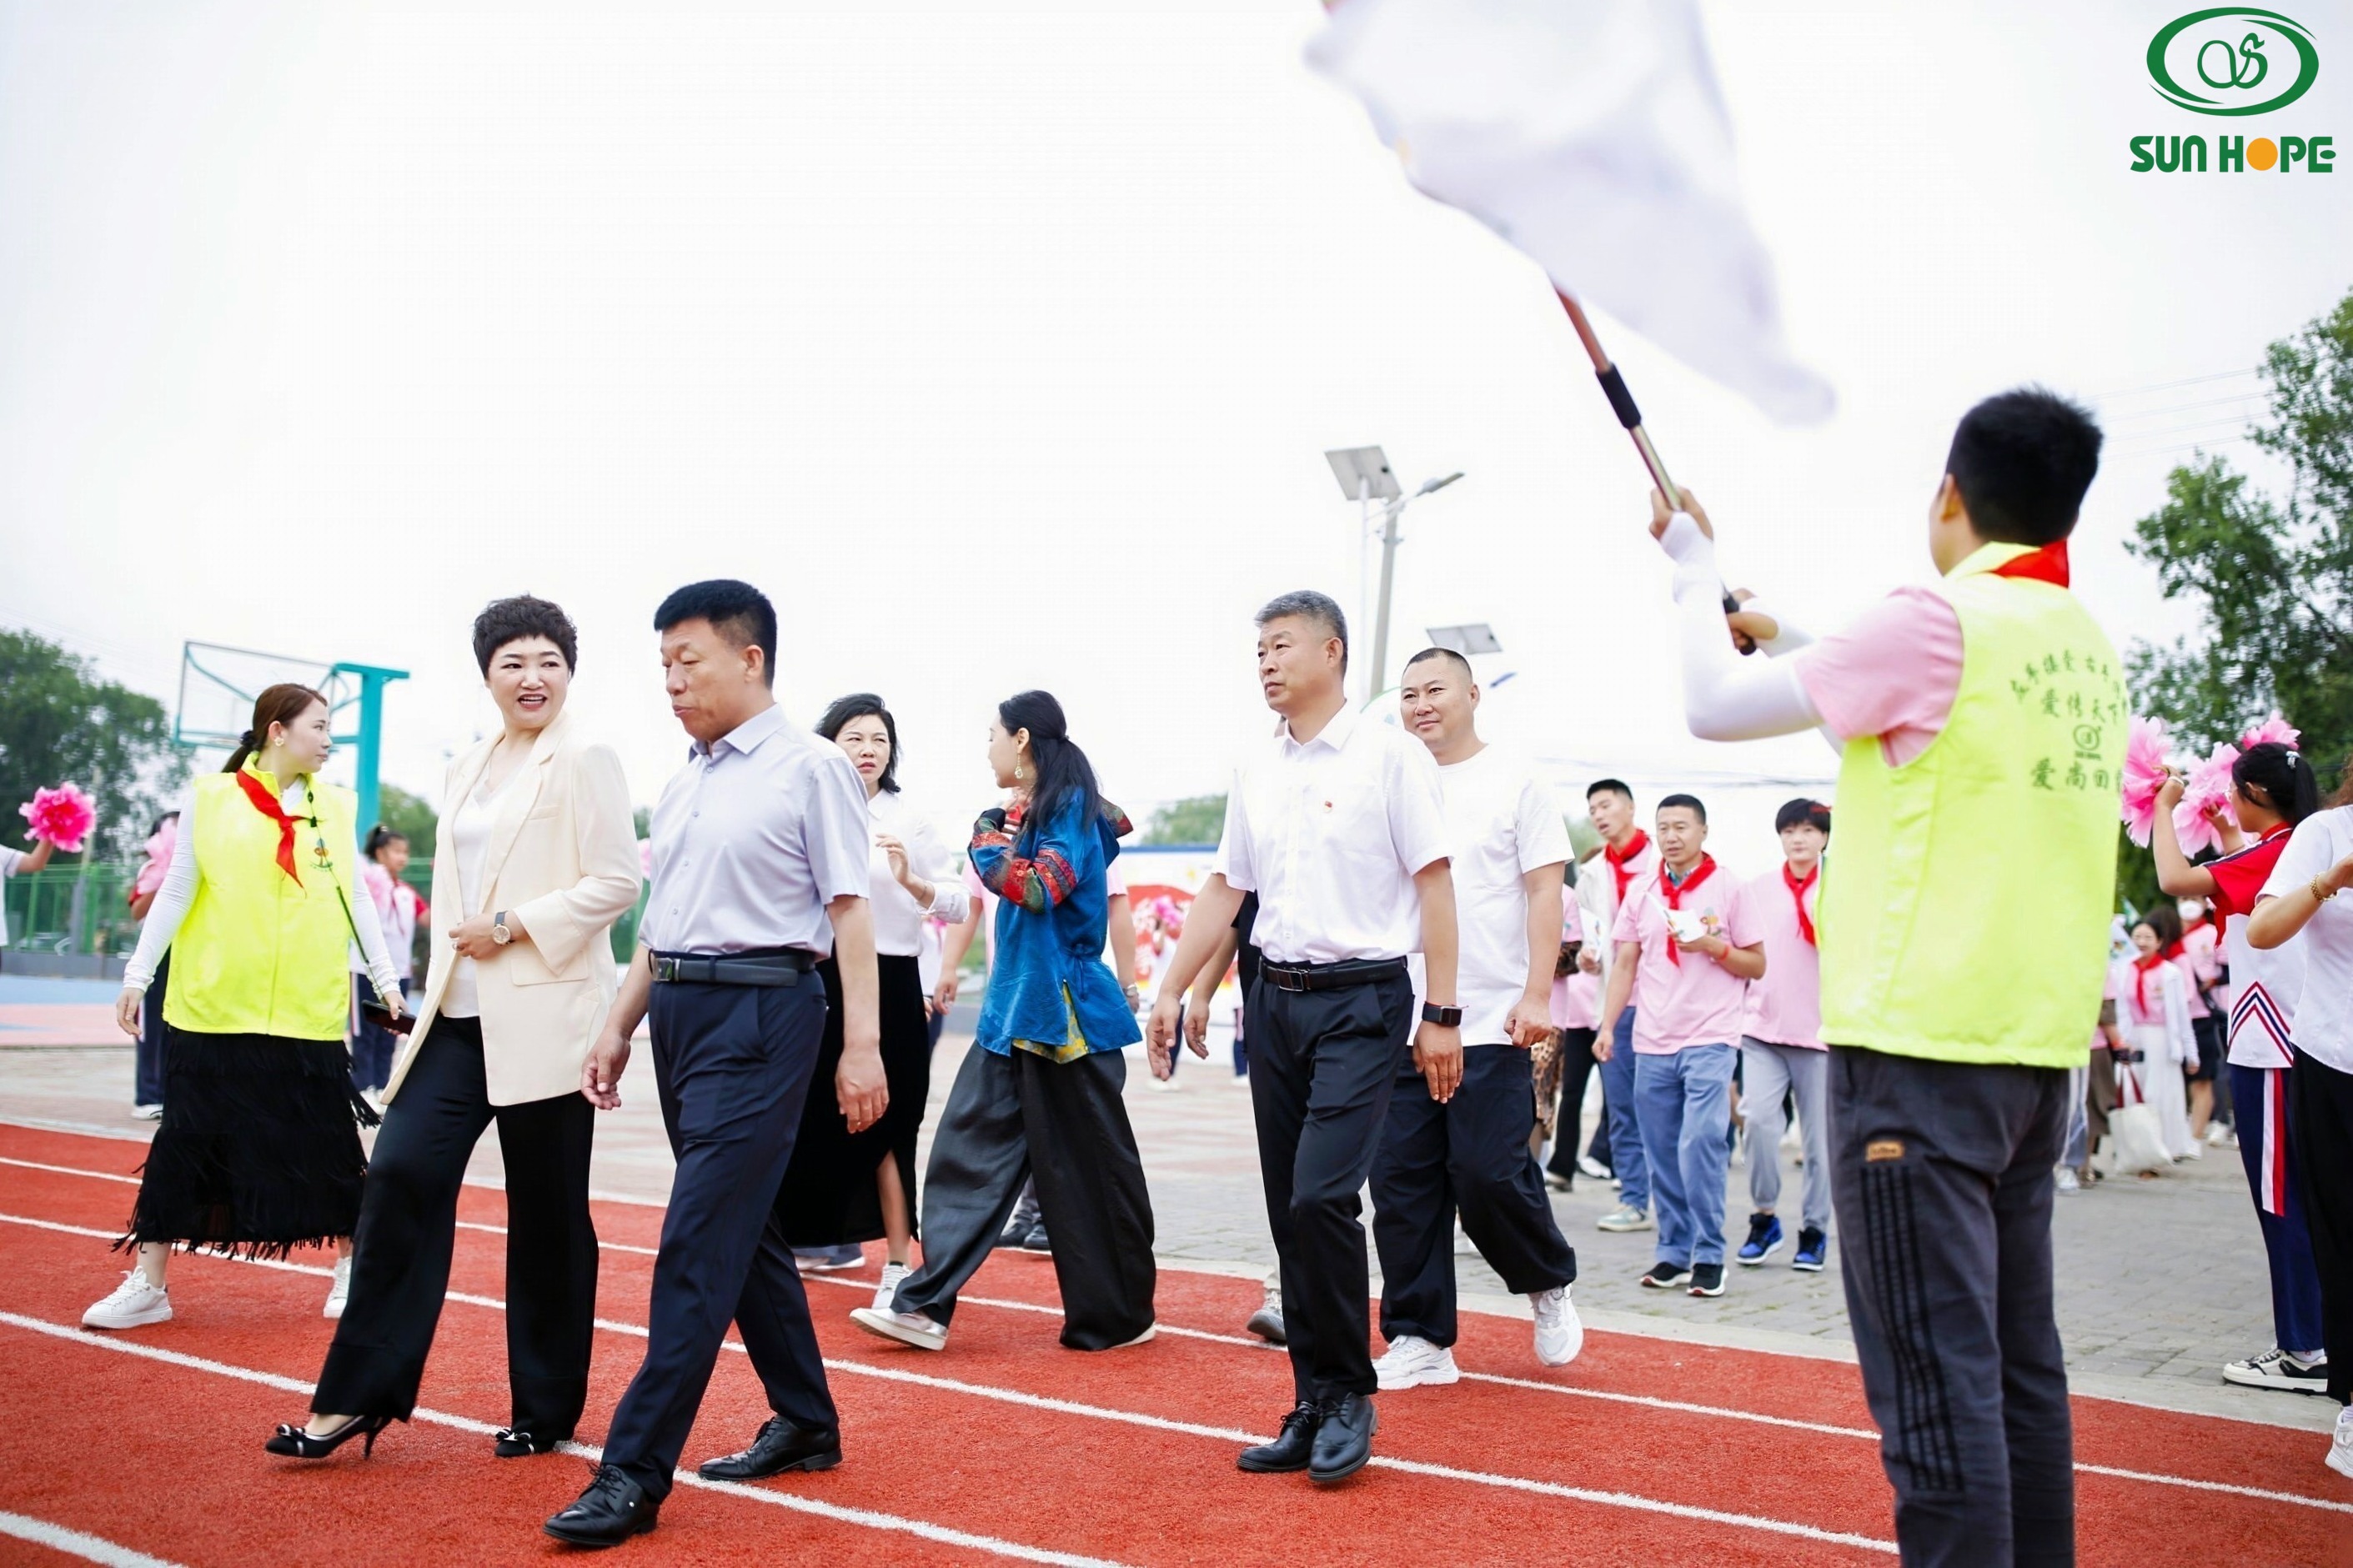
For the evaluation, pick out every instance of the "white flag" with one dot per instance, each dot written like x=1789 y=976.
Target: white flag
x=1589 y=134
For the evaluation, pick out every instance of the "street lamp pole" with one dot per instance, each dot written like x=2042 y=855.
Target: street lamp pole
x=1364 y=475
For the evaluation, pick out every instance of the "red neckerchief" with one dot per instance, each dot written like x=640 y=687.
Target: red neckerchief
x=1618 y=870
x=2141 y=967
x=1674 y=892
x=266 y=804
x=2048 y=564
x=2198 y=924
x=1798 y=896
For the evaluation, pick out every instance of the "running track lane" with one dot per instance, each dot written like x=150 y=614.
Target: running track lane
x=1826 y=1481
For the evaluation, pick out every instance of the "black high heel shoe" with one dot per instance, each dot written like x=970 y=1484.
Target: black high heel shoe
x=295 y=1443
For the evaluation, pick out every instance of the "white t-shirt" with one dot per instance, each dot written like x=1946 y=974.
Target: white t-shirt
x=2323 y=1012
x=9 y=860
x=1502 y=822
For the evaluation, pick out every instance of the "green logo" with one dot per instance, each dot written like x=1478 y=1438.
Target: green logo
x=2235 y=52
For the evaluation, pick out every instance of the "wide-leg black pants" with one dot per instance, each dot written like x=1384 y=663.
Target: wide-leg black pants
x=1940 y=1176
x=1323 y=1065
x=408 y=1216
x=2320 y=1115
x=1014 y=1116
x=1471 y=1153
x=733 y=1066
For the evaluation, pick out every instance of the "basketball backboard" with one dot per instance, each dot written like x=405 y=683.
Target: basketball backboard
x=219 y=685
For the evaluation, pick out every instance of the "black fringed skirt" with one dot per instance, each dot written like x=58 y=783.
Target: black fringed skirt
x=258 y=1152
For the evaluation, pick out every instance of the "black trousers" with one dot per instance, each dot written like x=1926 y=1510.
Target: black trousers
x=408 y=1216
x=1017 y=1115
x=1471 y=1153
x=2320 y=1140
x=1323 y=1065
x=732 y=1065
x=147 y=1055
x=1940 y=1175
x=1575 y=1068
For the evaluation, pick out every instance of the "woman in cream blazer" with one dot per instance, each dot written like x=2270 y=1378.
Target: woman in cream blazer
x=536 y=857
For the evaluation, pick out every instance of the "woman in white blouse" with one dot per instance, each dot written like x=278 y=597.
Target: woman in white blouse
x=535 y=858
x=843 y=1188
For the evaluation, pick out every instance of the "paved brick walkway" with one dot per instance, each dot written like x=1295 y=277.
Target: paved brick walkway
x=2159 y=1281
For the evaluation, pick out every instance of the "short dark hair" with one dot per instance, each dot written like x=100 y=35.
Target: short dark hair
x=1427 y=653
x=863 y=705
x=1310 y=605
x=2022 y=460
x=1616 y=786
x=736 y=611
x=1802 y=813
x=503 y=621
x=1691 y=801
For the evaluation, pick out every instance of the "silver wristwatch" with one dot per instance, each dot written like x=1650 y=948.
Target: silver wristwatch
x=498 y=931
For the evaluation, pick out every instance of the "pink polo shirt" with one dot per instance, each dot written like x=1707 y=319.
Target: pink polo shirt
x=1697 y=1002
x=1785 y=1008
x=1894 y=672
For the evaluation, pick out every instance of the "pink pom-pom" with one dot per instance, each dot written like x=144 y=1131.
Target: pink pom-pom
x=62 y=816
x=2208 y=793
x=2144 y=773
x=2274 y=729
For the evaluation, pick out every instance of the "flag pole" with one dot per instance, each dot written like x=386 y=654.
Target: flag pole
x=1613 y=386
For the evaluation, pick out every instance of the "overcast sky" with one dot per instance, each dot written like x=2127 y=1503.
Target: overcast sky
x=1001 y=344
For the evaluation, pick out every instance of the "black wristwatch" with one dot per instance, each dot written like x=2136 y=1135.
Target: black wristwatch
x=1444 y=1017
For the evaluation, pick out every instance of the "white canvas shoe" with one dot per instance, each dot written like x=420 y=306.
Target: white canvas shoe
x=892 y=1273
x=1413 y=1360
x=907 y=1328
x=1624 y=1218
x=2340 y=1444
x=340 y=1291
x=1560 y=1333
x=133 y=1304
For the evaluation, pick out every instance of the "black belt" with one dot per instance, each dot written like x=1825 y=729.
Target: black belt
x=774 y=967
x=1328 y=976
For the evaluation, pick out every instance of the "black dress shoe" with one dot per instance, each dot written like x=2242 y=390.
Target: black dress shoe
x=1291 y=1446
x=522 y=1442
x=1344 y=1441
x=612 y=1510
x=780 y=1446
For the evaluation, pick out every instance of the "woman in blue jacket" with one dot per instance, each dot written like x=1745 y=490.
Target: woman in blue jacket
x=1039 y=1091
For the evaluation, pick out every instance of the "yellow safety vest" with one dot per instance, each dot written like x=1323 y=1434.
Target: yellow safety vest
x=1965 y=916
x=259 y=952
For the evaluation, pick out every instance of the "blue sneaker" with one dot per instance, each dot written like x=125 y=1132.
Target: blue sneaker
x=1765 y=1239
x=1813 y=1247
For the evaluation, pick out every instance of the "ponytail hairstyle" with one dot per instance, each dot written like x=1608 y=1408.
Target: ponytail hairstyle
x=380 y=836
x=280 y=704
x=2277 y=777
x=1065 y=777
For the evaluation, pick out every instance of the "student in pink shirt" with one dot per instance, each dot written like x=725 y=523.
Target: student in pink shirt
x=1576 y=1018
x=2198 y=952
x=1687 y=943
x=1782 y=1048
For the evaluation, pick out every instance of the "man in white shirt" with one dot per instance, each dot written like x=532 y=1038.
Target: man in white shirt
x=1338 y=826
x=1471 y=1152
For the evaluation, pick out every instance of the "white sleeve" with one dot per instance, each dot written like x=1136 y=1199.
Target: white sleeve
x=1234 y=861
x=381 y=973
x=10 y=859
x=928 y=860
x=1725 y=698
x=172 y=900
x=1792 y=636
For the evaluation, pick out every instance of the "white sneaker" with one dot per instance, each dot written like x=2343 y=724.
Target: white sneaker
x=2277 y=1369
x=883 y=1293
x=2065 y=1181
x=907 y=1328
x=148 y=1112
x=134 y=1304
x=2219 y=1135
x=1267 y=1322
x=340 y=1291
x=2340 y=1444
x=1624 y=1219
x=1412 y=1360
x=2197 y=1151
x=1560 y=1333
x=1146 y=1338
x=1587 y=1165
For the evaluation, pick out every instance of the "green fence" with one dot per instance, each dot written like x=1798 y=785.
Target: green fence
x=83 y=909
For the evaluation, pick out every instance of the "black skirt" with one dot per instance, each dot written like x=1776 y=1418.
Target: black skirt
x=258 y=1152
x=829 y=1197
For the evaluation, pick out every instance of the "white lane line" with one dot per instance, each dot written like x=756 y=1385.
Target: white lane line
x=858 y=1516
x=602 y=1246
x=71 y=1171
x=77 y=1543
x=1680 y=1406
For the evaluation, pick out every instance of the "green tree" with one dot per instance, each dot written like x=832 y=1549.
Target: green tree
x=412 y=817
x=1196 y=819
x=59 y=722
x=2272 y=576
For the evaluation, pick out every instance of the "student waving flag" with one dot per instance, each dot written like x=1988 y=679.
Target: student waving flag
x=1589 y=133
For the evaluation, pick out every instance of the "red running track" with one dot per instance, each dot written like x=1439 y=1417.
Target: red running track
x=1005 y=1447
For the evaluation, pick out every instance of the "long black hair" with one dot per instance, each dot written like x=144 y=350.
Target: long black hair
x=1064 y=774
x=2277 y=776
x=862 y=705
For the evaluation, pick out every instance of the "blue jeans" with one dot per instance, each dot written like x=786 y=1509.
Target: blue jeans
x=1625 y=1162
x=1684 y=1102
